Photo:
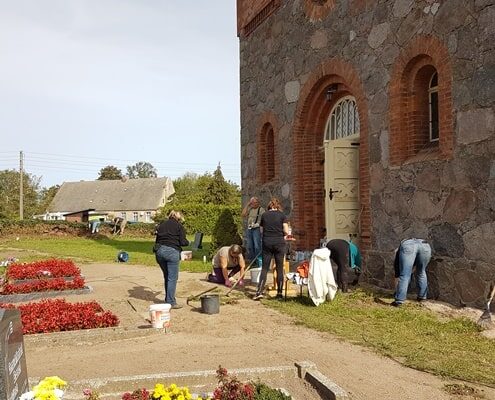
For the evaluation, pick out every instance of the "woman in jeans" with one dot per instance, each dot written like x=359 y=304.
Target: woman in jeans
x=170 y=237
x=411 y=253
x=274 y=229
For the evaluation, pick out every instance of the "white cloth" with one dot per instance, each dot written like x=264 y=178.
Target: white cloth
x=321 y=282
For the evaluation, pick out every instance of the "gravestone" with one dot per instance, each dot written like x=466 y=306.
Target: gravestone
x=198 y=241
x=13 y=371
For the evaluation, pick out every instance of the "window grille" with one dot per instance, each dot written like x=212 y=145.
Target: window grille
x=433 y=107
x=343 y=120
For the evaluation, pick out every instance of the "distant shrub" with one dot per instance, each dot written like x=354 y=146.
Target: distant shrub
x=225 y=232
x=200 y=217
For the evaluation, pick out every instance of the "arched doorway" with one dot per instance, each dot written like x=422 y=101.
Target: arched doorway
x=331 y=83
x=341 y=144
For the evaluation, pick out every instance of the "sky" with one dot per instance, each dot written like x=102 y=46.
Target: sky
x=90 y=83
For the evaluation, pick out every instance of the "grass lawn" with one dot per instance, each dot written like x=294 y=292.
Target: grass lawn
x=411 y=334
x=101 y=249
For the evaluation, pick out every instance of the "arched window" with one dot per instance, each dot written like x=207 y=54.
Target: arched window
x=343 y=120
x=433 y=105
x=266 y=153
x=421 y=119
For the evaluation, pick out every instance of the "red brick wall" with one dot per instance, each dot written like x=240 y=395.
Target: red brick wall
x=267 y=163
x=310 y=118
x=251 y=13
x=409 y=130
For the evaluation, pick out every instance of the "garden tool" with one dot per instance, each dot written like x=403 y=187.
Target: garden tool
x=242 y=276
x=486 y=318
x=200 y=294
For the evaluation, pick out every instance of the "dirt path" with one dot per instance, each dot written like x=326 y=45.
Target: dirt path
x=246 y=334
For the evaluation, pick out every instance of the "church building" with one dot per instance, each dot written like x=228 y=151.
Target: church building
x=374 y=120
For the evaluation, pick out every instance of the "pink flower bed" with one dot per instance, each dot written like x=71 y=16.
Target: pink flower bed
x=58 y=315
x=54 y=268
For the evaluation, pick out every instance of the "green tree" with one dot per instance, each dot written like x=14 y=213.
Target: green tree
x=9 y=194
x=225 y=232
x=219 y=191
x=141 y=170
x=46 y=196
x=110 y=172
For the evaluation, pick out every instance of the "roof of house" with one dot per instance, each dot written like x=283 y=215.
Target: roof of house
x=112 y=195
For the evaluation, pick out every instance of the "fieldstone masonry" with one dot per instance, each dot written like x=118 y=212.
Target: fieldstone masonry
x=447 y=197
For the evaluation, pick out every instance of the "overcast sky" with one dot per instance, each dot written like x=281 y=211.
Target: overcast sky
x=88 y=83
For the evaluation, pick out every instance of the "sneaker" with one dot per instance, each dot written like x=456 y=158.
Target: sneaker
x=421 y=299
x=279 y=296
x=395 y=304
x=176 y=306
x=258 y=297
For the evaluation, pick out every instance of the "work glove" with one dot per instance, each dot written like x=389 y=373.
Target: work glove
x=241 y=282
x=228 y=283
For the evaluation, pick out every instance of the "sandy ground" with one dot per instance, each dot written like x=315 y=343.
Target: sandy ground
x=243 y=335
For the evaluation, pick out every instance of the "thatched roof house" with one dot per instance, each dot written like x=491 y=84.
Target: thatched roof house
x=133 y=199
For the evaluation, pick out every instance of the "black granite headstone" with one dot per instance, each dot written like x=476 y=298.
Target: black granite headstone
x=13 y=371
x=198 y=241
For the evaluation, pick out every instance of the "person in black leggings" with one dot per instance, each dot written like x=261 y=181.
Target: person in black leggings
x=274 y=228
x=339 y=254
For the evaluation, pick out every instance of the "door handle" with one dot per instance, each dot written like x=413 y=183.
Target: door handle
x=331 y=192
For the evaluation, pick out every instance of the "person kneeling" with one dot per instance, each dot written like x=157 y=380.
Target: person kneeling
x=227 y=262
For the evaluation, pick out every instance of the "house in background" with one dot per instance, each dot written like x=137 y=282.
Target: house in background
x=136 y=200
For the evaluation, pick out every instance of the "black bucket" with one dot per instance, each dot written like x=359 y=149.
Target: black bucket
x=210 y=304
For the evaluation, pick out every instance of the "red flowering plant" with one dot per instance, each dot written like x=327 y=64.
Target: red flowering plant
x=232 y=388
x=54 y=315
x=42 y=285
x=53 y=268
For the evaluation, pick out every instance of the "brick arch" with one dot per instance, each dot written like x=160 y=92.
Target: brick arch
x=309 y=123
x=410 y=72
x=268 y=165
x=317 y=10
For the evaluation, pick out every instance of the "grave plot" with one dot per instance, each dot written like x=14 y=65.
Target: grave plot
x=41 y=279
x=56 y=315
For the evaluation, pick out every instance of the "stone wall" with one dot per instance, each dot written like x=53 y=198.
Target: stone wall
x=448 y=200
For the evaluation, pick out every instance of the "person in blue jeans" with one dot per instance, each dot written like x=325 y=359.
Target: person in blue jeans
x=253 y=212
x=170 y=237
x=411 y=253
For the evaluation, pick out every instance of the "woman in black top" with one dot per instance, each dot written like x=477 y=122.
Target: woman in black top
x=274 y=228
x=170 y=237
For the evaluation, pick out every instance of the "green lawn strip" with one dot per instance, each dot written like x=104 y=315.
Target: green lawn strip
x=101 y=249
x=412 y=335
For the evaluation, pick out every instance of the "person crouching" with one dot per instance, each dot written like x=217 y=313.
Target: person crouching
x=227 y=262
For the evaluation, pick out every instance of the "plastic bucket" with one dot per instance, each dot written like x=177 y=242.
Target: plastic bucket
x=255 y=275
x=160 y=315
x=210 y=304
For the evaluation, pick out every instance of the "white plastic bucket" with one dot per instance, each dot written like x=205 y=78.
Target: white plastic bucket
x=255 y=275
x=160 y=315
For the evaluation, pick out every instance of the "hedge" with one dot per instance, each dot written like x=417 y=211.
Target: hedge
x=202 y=217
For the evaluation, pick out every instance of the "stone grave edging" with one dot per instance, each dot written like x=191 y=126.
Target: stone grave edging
x=198 y=381
x=24 y=297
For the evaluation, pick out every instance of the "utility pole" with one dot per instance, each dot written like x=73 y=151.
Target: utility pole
x=21 y=186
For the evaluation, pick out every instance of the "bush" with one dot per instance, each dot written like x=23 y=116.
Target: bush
x=200 y=217
x=225 y=232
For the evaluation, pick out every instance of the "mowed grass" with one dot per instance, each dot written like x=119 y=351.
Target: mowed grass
x=411 y=334
x=101 y=249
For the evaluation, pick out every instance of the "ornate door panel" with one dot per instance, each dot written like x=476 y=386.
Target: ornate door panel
x=342 y=189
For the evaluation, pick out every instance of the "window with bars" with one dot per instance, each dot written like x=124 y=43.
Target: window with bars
x=343 y=120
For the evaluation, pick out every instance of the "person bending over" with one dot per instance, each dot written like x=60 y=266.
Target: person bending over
x=348 y=260
x=227 y=262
